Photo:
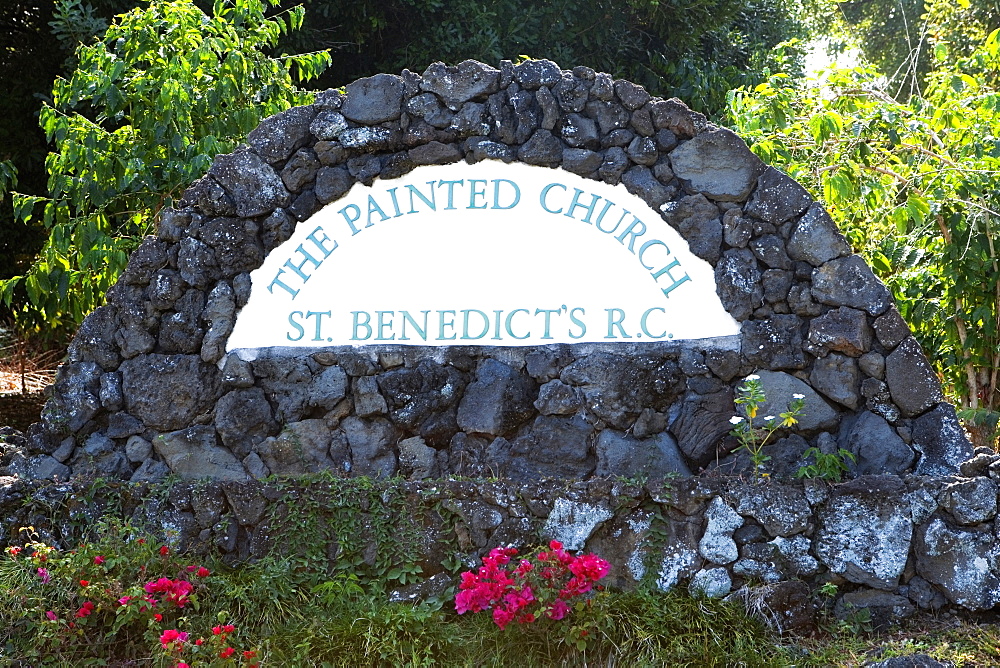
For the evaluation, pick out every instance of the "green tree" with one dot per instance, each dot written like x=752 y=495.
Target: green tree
x=147 y=108
x=914 y=186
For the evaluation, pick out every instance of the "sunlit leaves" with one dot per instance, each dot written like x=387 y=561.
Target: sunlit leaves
x=149 y=105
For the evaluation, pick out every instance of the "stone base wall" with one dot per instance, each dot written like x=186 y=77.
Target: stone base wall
x=892 y=544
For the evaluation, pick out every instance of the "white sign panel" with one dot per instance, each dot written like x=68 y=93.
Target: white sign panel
x=486 y=254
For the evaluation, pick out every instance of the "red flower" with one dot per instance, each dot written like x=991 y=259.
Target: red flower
x=158 y=617
x=173 y=636
x=191 y=569
x=181 y=664
x=228 y=628
x=164 y=550
x=84 y=583
x=203 y=572
x=216 y=630
x=141 y=541
x=555 y=545
x=99 y=560
x=198 y=641
x=249 y=654
x=14 y=551
x=226 y=653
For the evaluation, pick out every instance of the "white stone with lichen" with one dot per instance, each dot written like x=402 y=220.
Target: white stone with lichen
x=717 y=545
x=573 y=522
x=678 y=562
x=711 y=583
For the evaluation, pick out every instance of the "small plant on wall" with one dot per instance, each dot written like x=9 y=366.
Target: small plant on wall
x=753 y=436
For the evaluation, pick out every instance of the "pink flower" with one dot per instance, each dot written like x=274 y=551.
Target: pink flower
x=181 y=664
x=51 y=615
x=173 y=636
x=124 y=600
x=558 y=609
x=502 y=617
x=590 y=567
x=555 y=545
x=44 y=574
x=203 y=572
x=99 y=560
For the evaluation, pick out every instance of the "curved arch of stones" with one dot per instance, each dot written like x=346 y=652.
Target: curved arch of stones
x=148 y=388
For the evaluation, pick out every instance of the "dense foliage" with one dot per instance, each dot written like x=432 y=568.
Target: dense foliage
x=913 y=186
x=148 y=106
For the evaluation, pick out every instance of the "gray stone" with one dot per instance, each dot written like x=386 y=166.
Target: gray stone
x=776 y=284
x=701 y=424
x=371 y=444
x=165 y=288
x=643 y=151
x=848 y=281
x=862 y=534
x=845 y=330
x=711 y=583
x=243 y=418
x=697 y=220
x=330 y=153
x=774 y=343
x=609 y=115
x=191 y=386
x=299 y=449
x=498 y=400
x=150 y=471
x=872 y=364
x=220 y=315
x=960 y=562
x=65 y=450
x=571 y=93
x=123 y=425
x=180 y=331
x=435 y=153
x=779 y=387
x=370 y=139
x=479 y=149
x=554 y=447
x=541 y=149
x=44 y=467
x=770 y=250
x=111 y=391
x=816 y=238
x=75 y=398
x=533 y=74
x=640 y=181
x=836 y=376
x=417 y=460
x=619 y=454
x=717 y=545
x=778 y=197
x=372 y=100
x=138 y=449
x=617 y=387
x=253 y=185
x=794 y=552
x=526 y=117
x=924 y=594
x=884 y=609
x=738 y=283
x=573 y=522
x=909 y=661
x=632 y=95
x=365 y=168
x=367 y=400
x=674 y=115
x=255 y=466
x=327 y=388
x=666 y=140
x=581 y=161
x=278 y=136
x=557 y=398
x=620 y=138
x=717 y=163
x=456 y=85
x=236 y=372
x=876 y=447
x=603 y=87
x=781 y=509
x=209 y=197
x=192 y=453
x=614 y=165
x=94 y=341
x=970 y=502
x=423 y=399
x=196 y=263
x=891 y=329
x=328 y=125
x=332 y=183
x=649 y=423
x=912 y=382
x=550 y=109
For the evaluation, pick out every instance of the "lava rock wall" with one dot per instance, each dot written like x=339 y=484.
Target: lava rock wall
x=148 y=388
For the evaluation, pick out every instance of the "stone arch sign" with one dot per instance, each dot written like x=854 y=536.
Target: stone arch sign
x=350 y=288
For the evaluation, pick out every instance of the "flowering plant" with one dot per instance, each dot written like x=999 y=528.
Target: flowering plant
x=541 y=586
x=74 y=600
x=752 y=438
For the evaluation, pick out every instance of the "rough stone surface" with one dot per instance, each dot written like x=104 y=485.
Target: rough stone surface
x=192 y=387
x=848 y=281
x=876 y=446
x=912 y=382
x=844 y=330
x=717 y=545
x=621 y=454
x=816 y=239
x=250 y=182
x=374 y=99
x=938 y=437
x=277 y=137
x=863 y=537
x=960 y=562
x=193 y=453
x=778 y=197
x=970 y=502
x=718 y=163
